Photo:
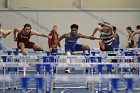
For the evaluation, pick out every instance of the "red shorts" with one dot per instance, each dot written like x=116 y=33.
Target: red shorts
x=27 y=44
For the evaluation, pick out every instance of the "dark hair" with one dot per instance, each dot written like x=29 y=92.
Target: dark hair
x=101 y=24
x=114 y=28
x=138 y=27
x=128 y=28
x=0 y=24
x=107 y=23
x=74 y=26
x=132 y=31
x=27 y=25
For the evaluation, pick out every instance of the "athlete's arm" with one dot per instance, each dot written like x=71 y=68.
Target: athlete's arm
x=33 y=32
x=129 y=31
x=134 y=33
x=61 y=37
x=87 y=37
x=5 y=32
x=98 y=28
x=16 y=30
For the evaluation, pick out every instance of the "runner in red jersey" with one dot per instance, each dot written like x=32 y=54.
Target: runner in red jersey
x=54 y=39
x=23 y=38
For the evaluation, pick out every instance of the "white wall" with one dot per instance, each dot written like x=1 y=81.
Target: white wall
x=87 y=21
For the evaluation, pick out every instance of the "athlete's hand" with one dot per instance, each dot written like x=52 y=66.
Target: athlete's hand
x=54 y=46
x=50 y=37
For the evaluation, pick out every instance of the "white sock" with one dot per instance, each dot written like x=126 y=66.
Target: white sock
x=68 y=54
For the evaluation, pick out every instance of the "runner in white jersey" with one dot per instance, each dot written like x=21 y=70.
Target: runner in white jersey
x=3 y=34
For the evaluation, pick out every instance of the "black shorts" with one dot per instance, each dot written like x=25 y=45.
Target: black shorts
x=108 y=47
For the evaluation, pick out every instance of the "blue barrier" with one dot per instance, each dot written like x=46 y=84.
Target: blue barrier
x=50 y=70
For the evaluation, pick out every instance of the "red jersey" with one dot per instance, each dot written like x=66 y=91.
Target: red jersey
x=54 y=38
x=23 y=38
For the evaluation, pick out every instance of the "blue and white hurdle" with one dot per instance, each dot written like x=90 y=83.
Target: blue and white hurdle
x=99 y=65
x=40 y=79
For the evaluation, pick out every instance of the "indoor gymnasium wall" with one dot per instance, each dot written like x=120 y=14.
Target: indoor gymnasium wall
x=42 y=4
x=2 y=3
x=35 y=4
x=43 y=21
x=111 y=3
x=43 y=14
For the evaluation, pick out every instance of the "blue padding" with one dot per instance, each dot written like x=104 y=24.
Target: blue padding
x=11 y=69
x=93 y=53
x=48 y=59
x=24 y=81
x=9 y=52
x=109 y=67
x=86 y=54
x=48 y=53
x=118 y=49
x=9 y=59
x=129 y=83
x=96 y=59
x=100 y=70
x=49 y=69
x=115 y=82
x=39 y=67
x=6 y=58
x=139 y=59
x=129 y=54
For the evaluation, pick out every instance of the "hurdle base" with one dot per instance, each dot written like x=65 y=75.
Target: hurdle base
x=119 y=89
x=71 y=87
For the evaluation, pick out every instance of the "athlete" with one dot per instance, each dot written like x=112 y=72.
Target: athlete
x=3 y=34
x=71 y=42
x=107 y=37
x=23 y=38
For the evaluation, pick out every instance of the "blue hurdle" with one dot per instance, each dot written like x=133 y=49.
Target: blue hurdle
x=50 y=70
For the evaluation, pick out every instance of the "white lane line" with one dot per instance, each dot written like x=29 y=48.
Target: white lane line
x=64 y=90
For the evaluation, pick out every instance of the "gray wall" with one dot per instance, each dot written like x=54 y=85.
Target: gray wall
x=43 y=21
x=37 y=4
x=2 y=3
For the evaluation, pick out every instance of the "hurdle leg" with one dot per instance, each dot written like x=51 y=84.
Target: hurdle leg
x=114 y=84
x=109 y=69
x=129 y=85
x=48 y=87
x=39 y=85
x=3 y=81
x=92 y=88
x=9 y=83
x=51 y=86
x=50 y=82
x=100 y=71
x=24 y=81
x=15 y=82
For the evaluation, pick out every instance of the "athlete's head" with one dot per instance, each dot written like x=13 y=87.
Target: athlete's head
x=55 y=27
x=27 y=28
x=105 y=26
x=0 y=25
x=129 y=28
x=114 y=29
x=138 y=27
x=74 y=29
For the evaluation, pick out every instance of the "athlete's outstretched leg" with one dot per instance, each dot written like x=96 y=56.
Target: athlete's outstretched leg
x=22 y=47
x=101 y=45
x=85 y=47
